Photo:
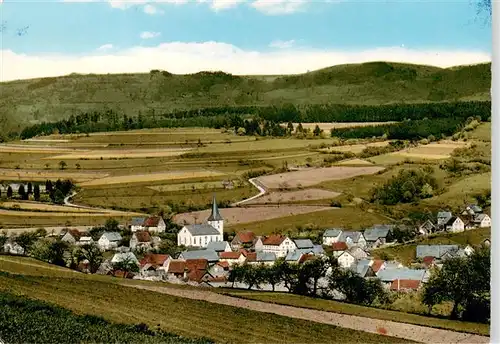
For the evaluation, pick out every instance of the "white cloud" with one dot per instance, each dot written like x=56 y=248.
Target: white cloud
x=178 y=57
x=282 y=44
x=105 y=47
x=276 y=7
x=150 y=9
x=149 y=35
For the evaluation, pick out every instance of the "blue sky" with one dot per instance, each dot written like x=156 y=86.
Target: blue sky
x=271 y=29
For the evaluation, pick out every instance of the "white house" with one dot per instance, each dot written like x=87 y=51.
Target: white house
x=443 y=217
x=85 y=240
x=455 y=225
x=353 y=239
x=331 y=236
x=109 y=240
x=71 y=237
x=219 y=246
x=232 y=257
x=137 y=224
x=155 y=224
x=350 y=257
x=124 y=256
x=200 y=235
x=278 y=244
x=482 y=221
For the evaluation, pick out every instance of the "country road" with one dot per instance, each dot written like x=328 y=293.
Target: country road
x=411 y=332
x=262 y=191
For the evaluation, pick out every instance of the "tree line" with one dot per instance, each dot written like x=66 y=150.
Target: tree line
x=267 y=120
x=57 y=191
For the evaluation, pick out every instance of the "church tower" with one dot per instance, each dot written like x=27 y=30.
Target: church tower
x=215 y=219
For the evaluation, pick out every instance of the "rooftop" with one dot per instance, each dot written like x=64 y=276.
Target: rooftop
x=202 y=229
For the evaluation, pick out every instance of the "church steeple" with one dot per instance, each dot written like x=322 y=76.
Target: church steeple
x=215 y=215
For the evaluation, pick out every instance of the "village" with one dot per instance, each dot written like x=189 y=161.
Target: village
x=205 y=258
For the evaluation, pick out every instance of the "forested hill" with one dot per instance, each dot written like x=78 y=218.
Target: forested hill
x=51 y=99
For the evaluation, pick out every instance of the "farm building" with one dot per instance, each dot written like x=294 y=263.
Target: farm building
x=353 y=239
x=210 y=255
x=378 y=235
x=363 y=268
x=331 y=236
x=124 y=256
x=232 y=258
x=426 y=228
x=245 y=239
x=155 y=224
x=435 y=251
x=455 y=225
x=443 y=217
x=137 y=224
x=338 y=248
x=109 y=240
x=277 y=244
x=141 y=240
x=200 y=235
x=351 y=256
x=219 y=246
x=482 y=221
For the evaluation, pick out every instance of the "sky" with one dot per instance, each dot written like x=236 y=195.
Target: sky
x=41 y=38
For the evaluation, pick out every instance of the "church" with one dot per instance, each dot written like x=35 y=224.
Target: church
x=200 y=235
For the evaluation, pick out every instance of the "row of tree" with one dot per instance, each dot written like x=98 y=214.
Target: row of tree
x=266 y=121
x=57 y=191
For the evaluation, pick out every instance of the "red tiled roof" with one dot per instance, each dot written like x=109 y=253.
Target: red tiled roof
x=197 y=268
x=177 y=266
x=244 y=252
x=230 y=255
x=246 y=237
x=405 y=284
x=306 y=257
x=209 y=278
x=75 y=233
x=152 y=221
x=377 y=264
x=339 y=246
x=143 y=236
x=274 y=240
x=225 y=265
x=428 y=260
x=251 y=257
x=154 y=259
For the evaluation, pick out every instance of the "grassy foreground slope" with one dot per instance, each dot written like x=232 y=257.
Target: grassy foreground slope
x=373 y=83
x=104 y=297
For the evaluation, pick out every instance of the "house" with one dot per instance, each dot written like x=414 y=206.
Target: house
x=141 y=240
x=472 y=210
x=200 y=235
x=353 y=239
x=338 y=248
x=12 y=247
x=196 y=269
x=455 y=225
x=388 y=275
x=377 y=265
x=157 y=261
x=219 y=246
x=155 y=224
x=295 y=256
x=245 y=239
x=303 y=243
x=378 y=235
x=426 y=228
x=443 y=217
x=482 y=221
x=210 y=255
x=109 y=240
x=364 y=268
x=405 y=285
x=124 y=256
x=278 y=244
x=350 y=257
x=85 y=240
x=331 y=236
x=435 y=251
x=137 y=224
x=176 y=268
x=318 y=250
x=429 y=262
x=72 y=236
x=218 y=272
x=486 y=242
x=261 y=257
x=232 y=258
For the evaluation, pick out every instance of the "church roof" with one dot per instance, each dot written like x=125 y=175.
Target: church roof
x=215 y=215
x=202 y=229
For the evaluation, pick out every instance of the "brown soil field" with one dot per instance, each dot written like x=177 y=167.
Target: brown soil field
x=121 y=154
x=293 y=196
x=313 y=176
x=42 y=175
x=440 y=150
x=17 y=213
x=152 y=177
x=356 y=161
x=328 y=126
x=30 y=206
x=355 y=148
x=11 y=148
x=237 y=215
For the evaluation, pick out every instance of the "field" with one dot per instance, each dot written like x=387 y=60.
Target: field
x=355 y=162
x=42 y=175
x=245 y=215
x=328 y=126
x=309 y=177
x=370 y=312
x=295 y=196
x=120 y=154
x=189 y=318
x=356 y=149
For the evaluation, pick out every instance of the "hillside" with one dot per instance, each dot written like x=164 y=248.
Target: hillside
x=49 y=99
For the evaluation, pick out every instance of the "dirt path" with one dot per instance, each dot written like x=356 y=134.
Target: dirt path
x=400 y=330
x=259 y=186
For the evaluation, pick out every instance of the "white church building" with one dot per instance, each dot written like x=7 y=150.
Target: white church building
x=200 y=235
